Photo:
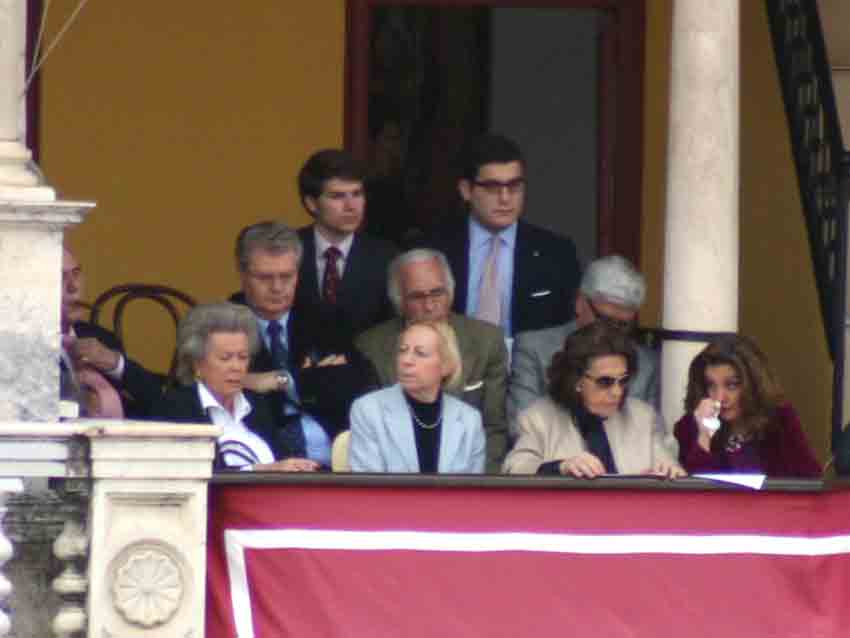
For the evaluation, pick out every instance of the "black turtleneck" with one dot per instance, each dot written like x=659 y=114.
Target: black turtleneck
x=427 y=440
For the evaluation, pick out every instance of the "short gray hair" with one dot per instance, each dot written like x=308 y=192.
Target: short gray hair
x=200 y=323
x=272 y=237
x=614 y=279
x=411 y=256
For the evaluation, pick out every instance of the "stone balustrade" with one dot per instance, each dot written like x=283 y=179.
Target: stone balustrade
x=106 y=528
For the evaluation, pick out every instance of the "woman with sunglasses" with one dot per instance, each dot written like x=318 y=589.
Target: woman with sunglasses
x=587 y=426
x=737 y=417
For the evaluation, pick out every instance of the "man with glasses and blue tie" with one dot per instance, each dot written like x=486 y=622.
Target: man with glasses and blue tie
x=510 y=273
x=421 y=288
x=612 y=291
x=312 y=390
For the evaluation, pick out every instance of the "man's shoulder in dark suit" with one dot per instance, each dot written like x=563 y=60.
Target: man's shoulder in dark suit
x=546 y=276
x=87 y=330
x=546 y=271
x=362 y=296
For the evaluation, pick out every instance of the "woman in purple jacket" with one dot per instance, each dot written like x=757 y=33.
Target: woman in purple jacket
x=737 y=417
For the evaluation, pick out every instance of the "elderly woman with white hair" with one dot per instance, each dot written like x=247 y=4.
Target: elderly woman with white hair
x=413 y=426
x=214 y=347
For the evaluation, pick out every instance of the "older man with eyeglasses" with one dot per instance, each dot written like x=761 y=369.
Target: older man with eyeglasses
x=310 y=384
x=421 y=287
x=611 y=291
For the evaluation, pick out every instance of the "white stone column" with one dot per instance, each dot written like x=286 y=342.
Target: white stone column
x=701 y=238
x=19 y=178
x=30 y=285
x=31 y=226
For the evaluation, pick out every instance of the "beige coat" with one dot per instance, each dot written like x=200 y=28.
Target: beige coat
x=547 y=432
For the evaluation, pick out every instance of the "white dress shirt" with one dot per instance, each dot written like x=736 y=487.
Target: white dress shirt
x=234 y=428
x=322 y=245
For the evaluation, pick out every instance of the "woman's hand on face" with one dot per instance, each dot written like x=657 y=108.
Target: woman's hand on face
x=667 y=469
x=584 y=465
x=293 y=464
x=706 y=409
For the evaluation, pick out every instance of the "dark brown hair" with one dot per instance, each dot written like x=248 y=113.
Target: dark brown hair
x=761 y=393
x=327 y=164
x=580 y=349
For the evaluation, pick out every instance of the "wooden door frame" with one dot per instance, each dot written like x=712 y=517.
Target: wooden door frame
x=620 y=146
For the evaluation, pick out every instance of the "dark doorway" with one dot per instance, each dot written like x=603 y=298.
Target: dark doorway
x=563 y=78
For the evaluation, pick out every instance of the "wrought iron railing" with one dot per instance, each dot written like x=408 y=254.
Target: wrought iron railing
x=821 y=161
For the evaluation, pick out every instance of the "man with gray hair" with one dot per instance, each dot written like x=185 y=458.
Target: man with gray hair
x=421 y=287
x=309 y=385
x=611 y=290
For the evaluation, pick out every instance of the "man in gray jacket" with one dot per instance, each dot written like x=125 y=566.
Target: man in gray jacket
x=611 y=290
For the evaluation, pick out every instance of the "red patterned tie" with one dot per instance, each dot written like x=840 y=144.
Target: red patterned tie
x=330 y=284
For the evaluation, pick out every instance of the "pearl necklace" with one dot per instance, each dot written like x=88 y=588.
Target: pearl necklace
x=427 y=426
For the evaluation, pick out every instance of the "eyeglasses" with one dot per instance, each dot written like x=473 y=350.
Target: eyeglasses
x=423 y=295
x=608 y=382
x=618 y=324
x=494 y=187
x=270 y=278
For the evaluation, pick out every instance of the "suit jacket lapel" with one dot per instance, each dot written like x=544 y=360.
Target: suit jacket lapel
x=467 y=355
x=451 y=437
x=194 y=404
x=308 y=284
x=397 y=421
x=352 y=277
x=458 y=255
x=617 y=431
x=523 y=263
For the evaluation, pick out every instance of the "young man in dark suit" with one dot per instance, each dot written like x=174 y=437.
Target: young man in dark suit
x=509 y=272
x=343 y=271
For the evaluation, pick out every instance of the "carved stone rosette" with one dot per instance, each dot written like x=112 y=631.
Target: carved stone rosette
x=147 y=584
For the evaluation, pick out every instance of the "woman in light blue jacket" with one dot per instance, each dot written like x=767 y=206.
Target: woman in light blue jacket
x=414 y=426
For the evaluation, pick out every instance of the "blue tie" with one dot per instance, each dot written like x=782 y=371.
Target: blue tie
x=291 y=436
x=279 y=354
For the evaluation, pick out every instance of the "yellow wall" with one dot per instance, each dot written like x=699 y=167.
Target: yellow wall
x=184 y=124
x=778 y=297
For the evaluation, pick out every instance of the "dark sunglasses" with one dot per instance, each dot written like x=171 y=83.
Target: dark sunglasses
x=617 y=324
x=606 y=382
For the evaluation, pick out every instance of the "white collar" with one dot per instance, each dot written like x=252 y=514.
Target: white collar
x=241 y=407
x=479 y=236
x=323 y=244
